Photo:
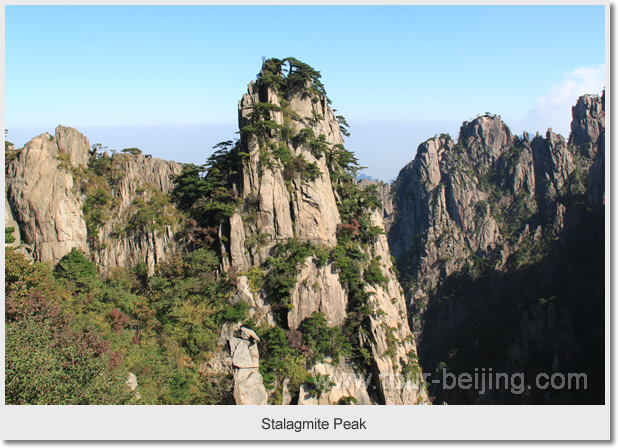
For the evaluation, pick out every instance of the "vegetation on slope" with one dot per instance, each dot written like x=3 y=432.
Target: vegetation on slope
x=481 y=311
x=165 y=328
x=207 y=192
x=86 y=333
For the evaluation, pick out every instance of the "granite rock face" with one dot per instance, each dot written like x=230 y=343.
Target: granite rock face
x=347 y=384
x=47 y=187
x=589 y=133
x=455 y=200
x=588 y=125
x=279 y=206
x=72 y=142
x=142 y=178
x=483 y=209
x=248 y=384
x=286 y=208
x=318 y=290
x=41 y=195
x=386 y=199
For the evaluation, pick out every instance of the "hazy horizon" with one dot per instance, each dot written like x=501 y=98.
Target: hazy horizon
x=147 y=76
x=194 y=143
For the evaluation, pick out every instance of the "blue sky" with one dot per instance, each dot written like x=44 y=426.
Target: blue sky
x=168 y=79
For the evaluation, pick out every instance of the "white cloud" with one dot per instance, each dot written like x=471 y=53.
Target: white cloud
x=554 y=109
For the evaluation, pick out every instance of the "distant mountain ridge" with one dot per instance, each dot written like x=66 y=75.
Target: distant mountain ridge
x=364 y=176
x=476 y=223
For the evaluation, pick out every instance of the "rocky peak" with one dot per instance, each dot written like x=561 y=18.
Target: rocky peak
x=286 y=176
x=454 y=200
x=588 y=125
x=553 y=165
x=48 y=186
x=139 y=171
x=431 y=156
x=298 y=194
x=143 y=187
x=73 y=143
x=40 y=191
x=483 y=209
x=485 y=138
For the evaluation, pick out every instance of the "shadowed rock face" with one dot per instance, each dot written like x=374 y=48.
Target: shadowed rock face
x=589 y=132
x=484 y=211
x=588 y=125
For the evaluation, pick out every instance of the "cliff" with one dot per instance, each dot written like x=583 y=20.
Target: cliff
x=479 y=223
x=144 y=224
x=386 y=199
x=266 y=270
x=63 y=195
x=298 y=230
x=40 y=192
x=265 y=275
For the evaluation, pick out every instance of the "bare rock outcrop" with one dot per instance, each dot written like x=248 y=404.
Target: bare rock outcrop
x=596 y=177
x=142 y=179
x=259 y=309
x=72 y=142
x=48 y=184
x=588 y=125
x=590 y=133
x=133 y=386
x=455 y=199
x=485 y=139
x=248 y=384
x=140 y=171
x=318 y=290
x=41 y=195
x=284 y=207
x=342 y=384
x=554 y=163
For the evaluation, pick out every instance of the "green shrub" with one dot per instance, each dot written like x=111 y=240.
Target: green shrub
x=291 y=76
x=50 y=357
x=97 y=208
x=236 y=313
x=134 y=151
x=374 y=275
x=284 y=265
x=77 y=271
x=322 y=340
x=9 y=238
x=206 y=191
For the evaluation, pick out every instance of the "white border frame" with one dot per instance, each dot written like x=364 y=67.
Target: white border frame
x=383 y=422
